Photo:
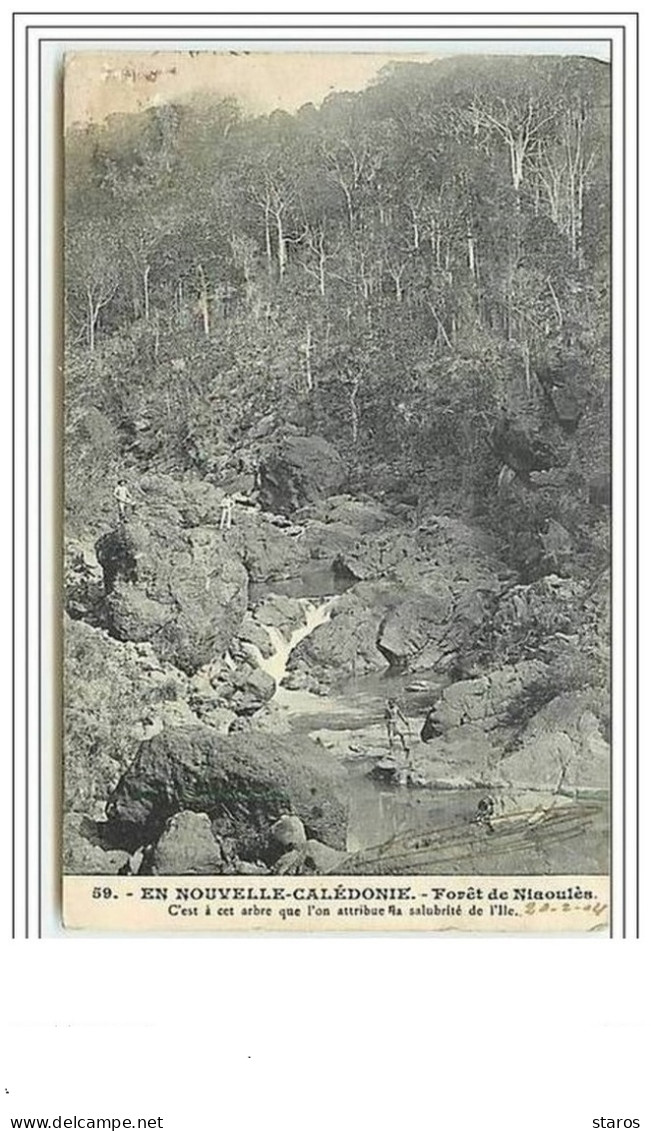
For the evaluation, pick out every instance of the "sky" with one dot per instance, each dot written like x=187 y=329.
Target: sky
x=99 y=83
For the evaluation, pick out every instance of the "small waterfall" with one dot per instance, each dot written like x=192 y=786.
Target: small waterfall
x=276 y=664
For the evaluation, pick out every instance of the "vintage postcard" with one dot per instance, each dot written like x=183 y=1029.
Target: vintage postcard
x=337 y=522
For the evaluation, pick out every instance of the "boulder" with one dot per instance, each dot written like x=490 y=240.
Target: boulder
x=85 y=852
x=283 y=613
x=252 y=688
x=363 y=515
x=269 y=552
x=485 y=700
x=115 y=695
x=299 y=470
x=446 y=578
x=309 y=859
x=179 y=502
x=464 y=555
x=566 y=405
x=561 y=748
x=288 y=832
x=536 y=613
x=344 y=645
x=241 y=687
x=379 y=555
x=83 y=582
x=327 y=541
x=412 y=636
x=251 y=632
x=187 y=846
x=463 y=757
x=244 y=782
x=185 y=591
x=219 y=718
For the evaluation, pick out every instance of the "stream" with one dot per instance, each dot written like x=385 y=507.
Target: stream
x=349 y=724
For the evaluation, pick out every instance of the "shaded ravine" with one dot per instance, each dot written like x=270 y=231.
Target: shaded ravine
x=348 y=723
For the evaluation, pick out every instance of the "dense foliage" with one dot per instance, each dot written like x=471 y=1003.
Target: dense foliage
x=398 y=271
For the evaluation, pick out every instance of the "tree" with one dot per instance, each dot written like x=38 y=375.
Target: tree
x=93 y=273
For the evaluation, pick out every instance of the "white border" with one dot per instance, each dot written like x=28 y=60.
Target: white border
x=238 y=28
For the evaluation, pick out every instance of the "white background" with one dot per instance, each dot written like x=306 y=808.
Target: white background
x=435 y=1031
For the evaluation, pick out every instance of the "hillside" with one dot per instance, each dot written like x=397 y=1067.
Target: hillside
x=382 y=328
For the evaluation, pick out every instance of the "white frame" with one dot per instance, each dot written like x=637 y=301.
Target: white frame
x=36 y=863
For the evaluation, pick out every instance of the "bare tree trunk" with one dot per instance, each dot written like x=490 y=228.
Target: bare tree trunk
x=396 y=275
x=203 y=300
x=440 y=328
x=349 y=206
x=307 y=349
x=526 y=354
x=415 y=230
x=267 y=238
x=354 y=412
x=145 y=291
x=92 y=319
x=557 y=305
x=471 y=252
x=282 y=248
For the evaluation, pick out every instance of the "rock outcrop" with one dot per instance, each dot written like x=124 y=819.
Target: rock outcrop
x=187 y=846
x=343 y=646
x=536 y=613
x=116 y=694
x=299 y=470
x=240 y=687
x=560 y=748
x=268 y=551
x=412 y=636
x=284 y=613
x=184 y=591
x=485 y=700
x=379 y=555
x=244 y=782
x=85 y=853
x=82 y=582
x=251 y=632
x=309 y=859
x=288 y=832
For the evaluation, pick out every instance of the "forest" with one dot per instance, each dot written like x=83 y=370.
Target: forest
x=417 y=274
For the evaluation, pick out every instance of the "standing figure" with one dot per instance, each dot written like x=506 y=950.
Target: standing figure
x=226 y=519
x=123 y=498
x=396 y=724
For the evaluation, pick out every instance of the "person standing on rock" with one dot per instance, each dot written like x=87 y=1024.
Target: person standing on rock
x=124 y=500
x=226 y=519
x=397 y=725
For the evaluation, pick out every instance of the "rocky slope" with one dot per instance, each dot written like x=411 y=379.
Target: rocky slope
x=177 y=754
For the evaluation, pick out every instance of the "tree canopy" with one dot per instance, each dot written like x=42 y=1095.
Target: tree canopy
x=392 y=270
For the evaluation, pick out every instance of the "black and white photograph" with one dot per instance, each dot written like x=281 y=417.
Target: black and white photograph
x=337 y=463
